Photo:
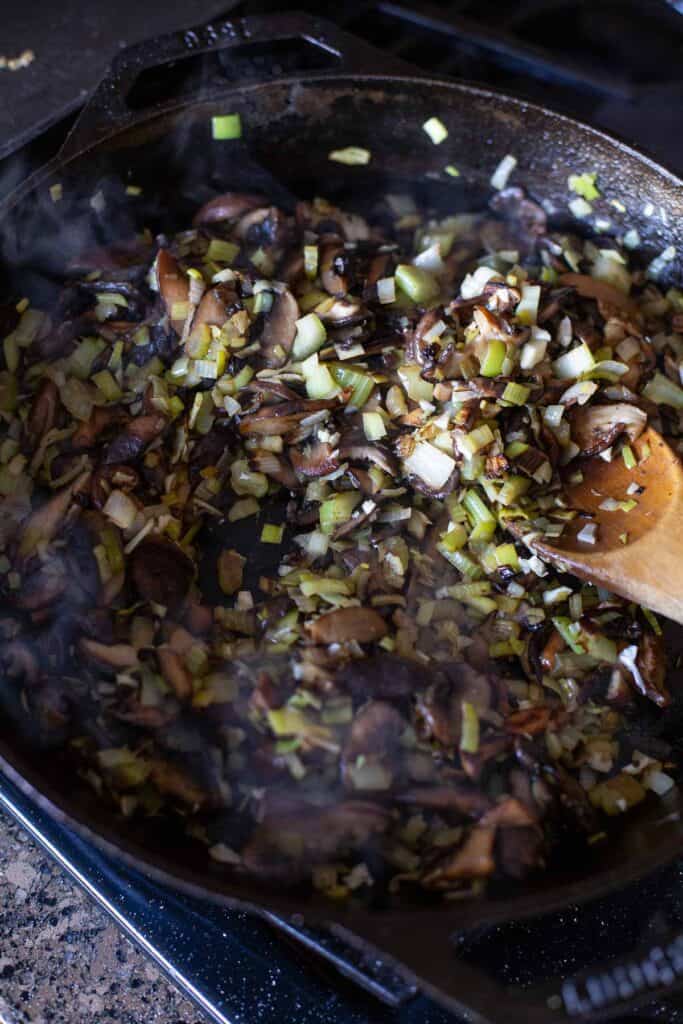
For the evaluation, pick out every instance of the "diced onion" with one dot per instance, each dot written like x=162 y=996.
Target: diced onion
x=121 y=509
x=386 y=290
x=473 y=284
x=436 y=130
x=579 y=392
x=574 y=363
x=588 y=534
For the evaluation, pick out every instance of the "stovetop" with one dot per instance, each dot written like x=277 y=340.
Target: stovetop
x=616 y=64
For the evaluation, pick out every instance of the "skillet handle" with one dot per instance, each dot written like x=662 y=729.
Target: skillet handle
x=315 y=45
x=603 y=991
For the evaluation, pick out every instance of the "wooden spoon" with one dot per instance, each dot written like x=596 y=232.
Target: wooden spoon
x=637 y=554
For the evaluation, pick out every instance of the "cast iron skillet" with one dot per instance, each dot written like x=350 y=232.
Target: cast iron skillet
x=141 y=127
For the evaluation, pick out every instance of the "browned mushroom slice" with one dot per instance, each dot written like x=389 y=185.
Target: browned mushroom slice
x=378 y=454
x=314 y=460
x=174 y=287
x=43 y=524
x=228 y=206
x=344 y=624
x=116 y=656
x=102 y=417
x=474 y=859
x=136 y=436
x=528 y=722
x=384 y=676
x=215 y=306
x=651 y=665
x=592 y=288
x=284 y=417
x=280 y=330
x=440 y=706
x=230 y=568
x=510 y=812
x=161 y=572
x=370 y=757
x=174 y=672
x=333 y=280
x=299 y=834
x=276 y=467
x=43 y=412
x=175 y=782
x=460 y=798
x=18 y=662
x=595 y=427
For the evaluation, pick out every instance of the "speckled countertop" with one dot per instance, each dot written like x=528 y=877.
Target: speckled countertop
x=62 y=961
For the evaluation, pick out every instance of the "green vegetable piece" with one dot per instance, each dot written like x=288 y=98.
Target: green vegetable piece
x=418 y=284
x=226 y=126
x=494 y=357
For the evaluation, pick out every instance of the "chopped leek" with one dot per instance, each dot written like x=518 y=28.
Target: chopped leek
x=310 y=336
x=338 y=510
x=516 y=394
x=220 y=251
x=663 y=391
x=350 y=155
x=469 y=736
x=436 y=130
x=272 y=533
x=494 y=357
x=418 y=284
x=349 y=376
x=226 y=126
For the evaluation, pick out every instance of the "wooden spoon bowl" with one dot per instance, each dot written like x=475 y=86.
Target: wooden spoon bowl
x=637 y=554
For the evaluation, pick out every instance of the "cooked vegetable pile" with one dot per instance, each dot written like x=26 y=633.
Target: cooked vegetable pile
x=405 y=697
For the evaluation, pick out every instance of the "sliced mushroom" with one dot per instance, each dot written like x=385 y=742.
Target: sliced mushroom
x=370 y=757
x=43 y=412
x=228 y=206
x=280 y=330
x=440 y=706
x=284 y=417
x=214 y=309
x=510 y=813
x=161 y=572
x=596 y=427
x=651 y=665
x=474 y=859
x=102 y=418
x=43 y=524
x=175 y=672
x=230 y=569
x=116 y=656
x=333 y=280
x=174 y=286
x=382 y=675
x=298 y=834
x=132 y=442
x=276 y=467
x=592 y=288
x=108 y=478
x=364 y=625
x=314 y=460
x=459 y=798
x=378 y=454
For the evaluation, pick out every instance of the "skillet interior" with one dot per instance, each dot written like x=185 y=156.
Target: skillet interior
x=289 y=129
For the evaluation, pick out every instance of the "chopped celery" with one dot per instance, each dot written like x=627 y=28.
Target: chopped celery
x=311 y=261
x=226 y=126
x=272 y=534
x=220 y=251
x=310 y=336
x=338 y=510
x=584 y=185
x=455 y=538
x=418 y=284
x=470 y=444
x=436 y=130
x=664 y=392
x=492 y=363
x=628 y=457
x=469 y=736
x=347 y=375
x=319 y=381
x=480 y=516
x=415 y=387
x=570 y=633
x=107 y=384
x=513 y=489
x=516 y=394
x=351 y=156
x=373 y=426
